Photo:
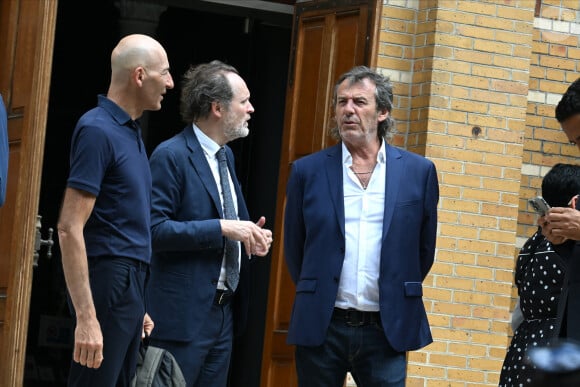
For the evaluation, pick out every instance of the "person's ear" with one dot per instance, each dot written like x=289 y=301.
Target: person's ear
x=216 y=108
x=139 y=74
x=383 y=115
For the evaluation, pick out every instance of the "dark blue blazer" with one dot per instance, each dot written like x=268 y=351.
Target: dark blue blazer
x=187 y=243
x=314 y=244
x=4 y=154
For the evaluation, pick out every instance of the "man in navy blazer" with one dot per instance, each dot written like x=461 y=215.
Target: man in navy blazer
x=359 y=239
x=195 y=309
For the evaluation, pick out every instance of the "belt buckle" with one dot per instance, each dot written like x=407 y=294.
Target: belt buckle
x=352 y=318
x=221 y=299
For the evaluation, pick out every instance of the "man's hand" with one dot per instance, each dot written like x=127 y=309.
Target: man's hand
x=256 y=240
x=560 y=224
x=148 y=326
x=88 y=350
x=262 y=250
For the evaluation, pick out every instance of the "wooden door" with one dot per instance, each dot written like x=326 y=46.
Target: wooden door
x=26 y=43
x=329 y=38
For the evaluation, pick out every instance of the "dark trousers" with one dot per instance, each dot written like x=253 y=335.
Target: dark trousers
x=117 y=285
x=205 y=361
x=361 y=350
x=568 y=316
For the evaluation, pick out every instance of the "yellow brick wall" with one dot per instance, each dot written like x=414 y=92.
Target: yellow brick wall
x=476 y=83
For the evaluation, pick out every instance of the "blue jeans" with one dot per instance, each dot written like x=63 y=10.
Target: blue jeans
x=363 y=351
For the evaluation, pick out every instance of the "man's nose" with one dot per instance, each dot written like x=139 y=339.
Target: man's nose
x=169 y=82
x=349 y=105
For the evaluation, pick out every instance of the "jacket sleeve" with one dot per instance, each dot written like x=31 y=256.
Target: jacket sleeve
x=174 y=205
x=429 y=227
x=294 y=229
x=4 y=151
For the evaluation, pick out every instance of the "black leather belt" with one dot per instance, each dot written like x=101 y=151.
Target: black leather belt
x=222 y=297
x=356 y=318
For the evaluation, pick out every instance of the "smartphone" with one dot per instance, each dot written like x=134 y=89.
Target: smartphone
x=540 y=205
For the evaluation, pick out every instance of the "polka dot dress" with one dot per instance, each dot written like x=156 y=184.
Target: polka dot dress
x=539 y=278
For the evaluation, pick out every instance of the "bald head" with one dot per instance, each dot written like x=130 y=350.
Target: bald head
x=140 y=74
x=133 y=51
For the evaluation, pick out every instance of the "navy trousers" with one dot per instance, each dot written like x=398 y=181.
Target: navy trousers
x=118 y=286
x=205 y=361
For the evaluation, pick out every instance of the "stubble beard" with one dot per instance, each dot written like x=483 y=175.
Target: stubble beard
x=238 y=131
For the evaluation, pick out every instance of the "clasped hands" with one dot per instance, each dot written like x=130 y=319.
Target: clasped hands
x=256 y=239
x=561 y=223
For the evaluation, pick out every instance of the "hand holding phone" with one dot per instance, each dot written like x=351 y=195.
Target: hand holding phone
x=540 y=205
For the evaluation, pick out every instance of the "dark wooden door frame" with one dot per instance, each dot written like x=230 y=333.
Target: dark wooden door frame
x=27 y=29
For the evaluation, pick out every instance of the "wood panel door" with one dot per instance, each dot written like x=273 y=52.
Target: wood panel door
x=26 y=43
x=329 y=38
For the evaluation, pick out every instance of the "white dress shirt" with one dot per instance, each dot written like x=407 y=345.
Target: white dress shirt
x=363 y=212
x=210 y=148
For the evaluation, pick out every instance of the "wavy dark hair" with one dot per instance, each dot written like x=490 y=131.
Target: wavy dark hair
x=383 y=97
x=203 y=84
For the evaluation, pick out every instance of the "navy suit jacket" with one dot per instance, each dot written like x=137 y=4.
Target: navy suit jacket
x=3 y=151
x=187 y=243
x=314 y=244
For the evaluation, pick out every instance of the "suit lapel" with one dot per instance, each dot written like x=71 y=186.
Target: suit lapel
x=333 y=169
x=201 y=166
x=394 y=173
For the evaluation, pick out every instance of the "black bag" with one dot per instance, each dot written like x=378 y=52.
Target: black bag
x=156 y=367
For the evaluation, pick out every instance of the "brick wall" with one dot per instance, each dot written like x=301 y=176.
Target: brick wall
x=476 y=83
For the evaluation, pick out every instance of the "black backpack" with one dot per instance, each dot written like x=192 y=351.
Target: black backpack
x=156 y=367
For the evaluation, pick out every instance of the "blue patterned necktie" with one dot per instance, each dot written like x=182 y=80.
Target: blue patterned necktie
x=232 y=247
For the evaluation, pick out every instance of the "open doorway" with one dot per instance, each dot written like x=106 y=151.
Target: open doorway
x=257 y=43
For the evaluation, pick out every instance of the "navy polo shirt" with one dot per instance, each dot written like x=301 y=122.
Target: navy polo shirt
x=108 y=159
